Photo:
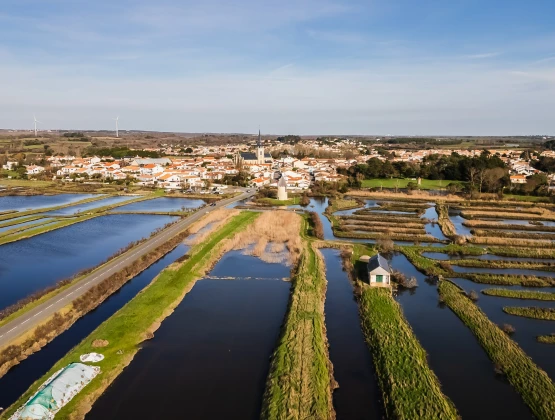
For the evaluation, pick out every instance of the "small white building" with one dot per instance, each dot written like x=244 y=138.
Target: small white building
x=379 y=272
x=282 y=189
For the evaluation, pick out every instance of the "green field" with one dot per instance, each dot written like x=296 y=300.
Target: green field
x=427 y=184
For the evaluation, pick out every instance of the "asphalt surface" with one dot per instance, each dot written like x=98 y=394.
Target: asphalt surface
x=37 y=315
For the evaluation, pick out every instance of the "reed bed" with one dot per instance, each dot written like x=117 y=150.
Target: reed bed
x=300 y=378
x=417 y=210
x=511 y=242
x=470 y=214
x=505 y=209
x=376 y=211
x=393 y=235
x=525 y=265
x=255 y=238
x=487 y=224
x=513 y=235
x=386 y=229
x=520 y=294
x=315 y=225
x=410 y=389
x=522 y=252
x=445 y=223
x=546 y=339
x=532 y=383
x=399 y=205
x=531 y=312
x=357 y=222
x=390 y=218
x=509 y=280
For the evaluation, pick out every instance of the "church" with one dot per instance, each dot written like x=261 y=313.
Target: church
x=250 y=158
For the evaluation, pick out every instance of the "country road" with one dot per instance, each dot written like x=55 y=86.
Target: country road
x=30 y=319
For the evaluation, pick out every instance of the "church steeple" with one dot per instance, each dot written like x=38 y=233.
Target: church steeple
x=260 y=158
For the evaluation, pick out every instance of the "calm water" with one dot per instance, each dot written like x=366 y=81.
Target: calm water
x=20 y=203
x=29 y=224
x=163 y=204
x=80 y=208
x=526 y=328
x=463 y=368
x=433 y=228
x=21 y=377
x=210 y=358
x=32 y=264
x=358 y=395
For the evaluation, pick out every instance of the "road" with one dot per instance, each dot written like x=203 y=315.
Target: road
x=39 y=314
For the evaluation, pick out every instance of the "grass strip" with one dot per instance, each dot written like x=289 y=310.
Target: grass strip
x=496 y=214
x=522 y=252
x=546 y=339
x=18 y=221
x=136 y=321
x=520 y=294
x=518 y=235
x=410 y=389
x=298 y=385
x=512 y=242
x=531 y=312
x=533 y=384
x=392 y=235
x=445 y=223
x=486 y=224
x=504 y=264
x=508 y=279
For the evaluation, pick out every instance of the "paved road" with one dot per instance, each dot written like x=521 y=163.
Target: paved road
x=46 y=309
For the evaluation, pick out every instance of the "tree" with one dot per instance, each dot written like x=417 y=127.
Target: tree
x=493 y=178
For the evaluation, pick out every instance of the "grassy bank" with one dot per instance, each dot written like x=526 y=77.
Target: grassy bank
x=487 y=224
x=397 y=236
x=546 y=339
x=275 y=202
x=508 y=279
x=337 y=204
x=409 y=387
x=445 y=223
x=298 y=385
x=533 y=384
x=531 y=312
x=522 y=252
x=137 y=320
x=520 y=294
x=517 y=235
x=512 y=242
x=504 y=264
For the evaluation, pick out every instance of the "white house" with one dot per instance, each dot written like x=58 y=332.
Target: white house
x=379 y=272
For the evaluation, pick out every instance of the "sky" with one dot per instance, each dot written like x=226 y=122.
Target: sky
x=400 y=67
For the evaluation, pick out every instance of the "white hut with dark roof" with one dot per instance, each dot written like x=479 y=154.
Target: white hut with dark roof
x=379 y=272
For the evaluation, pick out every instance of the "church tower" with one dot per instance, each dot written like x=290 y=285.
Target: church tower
x=259 y=150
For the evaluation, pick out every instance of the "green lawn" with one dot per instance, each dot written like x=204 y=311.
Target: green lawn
x=427 y=184
x=275 y=202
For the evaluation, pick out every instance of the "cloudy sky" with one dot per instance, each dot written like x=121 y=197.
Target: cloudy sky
x=457 y=67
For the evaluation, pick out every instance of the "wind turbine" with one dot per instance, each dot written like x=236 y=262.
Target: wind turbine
x=116 y=120
x=36 y=121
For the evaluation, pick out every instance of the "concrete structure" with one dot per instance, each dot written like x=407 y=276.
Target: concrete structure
x=282 y=189
x=379 y=272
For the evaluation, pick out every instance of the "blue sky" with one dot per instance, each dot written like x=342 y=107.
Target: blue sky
x=458 y=67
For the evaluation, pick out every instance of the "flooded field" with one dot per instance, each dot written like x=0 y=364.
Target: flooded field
x=163 y=204
x=32 y=264
x=358 y=395
x=19 y=378
x=466 y=373
x=31 y=202
x=28 y=224
x=214 y=347
x=527 y=329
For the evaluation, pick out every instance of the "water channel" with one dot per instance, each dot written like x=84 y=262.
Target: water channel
x=210 y=358
x=31 y=202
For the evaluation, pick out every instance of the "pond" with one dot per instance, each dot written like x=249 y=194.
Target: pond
x=210 y=358
x=164 y=204
x=358 y=395
x=32 y=264
x=29 y=202
x=29 y=224
x=21 y=377
x=462 y=366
